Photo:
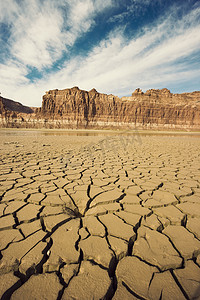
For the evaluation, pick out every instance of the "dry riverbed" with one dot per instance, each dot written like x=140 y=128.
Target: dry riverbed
x=99 y=216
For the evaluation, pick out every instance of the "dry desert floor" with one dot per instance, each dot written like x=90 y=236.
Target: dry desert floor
x=91 y=215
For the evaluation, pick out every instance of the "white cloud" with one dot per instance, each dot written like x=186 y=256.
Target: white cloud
x=134 y=8
x=36 y=37
x=42 y=30
x=117 y=64
x=155 y=58
x=39 y=33
x=13 y=72
x=7 y=10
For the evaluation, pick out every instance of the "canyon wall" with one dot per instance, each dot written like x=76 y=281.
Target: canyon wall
x=75 y=108
x=14 y=114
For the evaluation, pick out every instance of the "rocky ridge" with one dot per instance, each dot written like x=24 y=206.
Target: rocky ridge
x=75 y=108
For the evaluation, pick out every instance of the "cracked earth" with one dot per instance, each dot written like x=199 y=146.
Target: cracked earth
x=99 y=217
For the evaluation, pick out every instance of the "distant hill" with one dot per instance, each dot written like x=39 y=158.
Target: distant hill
x=12 y=105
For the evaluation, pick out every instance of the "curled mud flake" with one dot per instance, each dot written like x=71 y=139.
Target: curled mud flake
x=108 y=197
x=40 y=286
x=152 y=222
x=29 y=228
x=28 y=212
x=94 y=226
x=189 y=279
x=174 y=215
x=51 y=221
x=7 y=222
x=9 y=282
x=164 y=286
x=191 y=209
x=102 y=209
x=198 y=260
x=63 y=250
x=68 y=271
x=135 y=274
x=36 y=198
x=156 y=249
x=96 y=249
x=129 y=218
x=137 y=209
x=52 y=210
x=116 y=227
x=84 y=286
x=14 y=194
x=32 y=261
x=123 y=292
x=119 y=246
x=16 y=251
x=9 y=236
x=183 y=240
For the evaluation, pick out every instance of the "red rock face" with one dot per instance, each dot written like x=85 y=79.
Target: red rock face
x=14 y=114
x=75 y=108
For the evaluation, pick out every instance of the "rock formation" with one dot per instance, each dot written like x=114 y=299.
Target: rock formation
x=75 y=108
x=14 y=114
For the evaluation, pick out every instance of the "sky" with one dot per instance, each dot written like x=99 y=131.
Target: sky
x=114 y=46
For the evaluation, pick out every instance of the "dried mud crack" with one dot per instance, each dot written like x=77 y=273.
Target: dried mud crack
x=81 y=222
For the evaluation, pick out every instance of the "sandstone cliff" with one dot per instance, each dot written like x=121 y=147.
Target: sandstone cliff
x=155 y=108
x=75 y=108
x=14 y=114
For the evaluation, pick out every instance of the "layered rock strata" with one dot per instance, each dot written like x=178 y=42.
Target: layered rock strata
x=14 y=114
x=75 y=108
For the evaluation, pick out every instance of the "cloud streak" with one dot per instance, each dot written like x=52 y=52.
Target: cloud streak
x=42 y=30
x=158 y=55
x=134 y=8
x=117 y=63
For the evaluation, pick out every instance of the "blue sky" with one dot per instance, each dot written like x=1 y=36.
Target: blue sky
x=114 y=46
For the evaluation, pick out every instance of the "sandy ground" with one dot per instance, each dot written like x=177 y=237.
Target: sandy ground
x=99 y=216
